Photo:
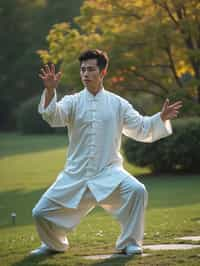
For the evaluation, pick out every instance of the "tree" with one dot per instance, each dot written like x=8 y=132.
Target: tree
x=12 y=46
x=154 y=46
x=24 y=25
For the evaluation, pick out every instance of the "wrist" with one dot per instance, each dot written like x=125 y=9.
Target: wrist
x=162 y=116
x=49 y=91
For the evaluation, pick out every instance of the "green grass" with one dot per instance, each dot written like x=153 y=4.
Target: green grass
x=29 y=164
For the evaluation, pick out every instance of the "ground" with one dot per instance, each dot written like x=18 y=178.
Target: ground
x=29 y=164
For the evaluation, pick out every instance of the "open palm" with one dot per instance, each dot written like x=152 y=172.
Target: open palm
x=49 y=77
x=170 y=111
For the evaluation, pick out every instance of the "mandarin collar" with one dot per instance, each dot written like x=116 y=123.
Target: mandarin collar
x=90 y=96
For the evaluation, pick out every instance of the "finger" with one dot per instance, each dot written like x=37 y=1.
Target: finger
x=179 y=102
x=176 y=107
x=58 y=75
x=43 y=71
x=173 y=114
x=53 y=69
x=176 y=103
x=41 y=76
x=166 y=103
x=47 y=69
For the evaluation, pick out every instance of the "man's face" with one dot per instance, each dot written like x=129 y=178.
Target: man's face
x=91 y=75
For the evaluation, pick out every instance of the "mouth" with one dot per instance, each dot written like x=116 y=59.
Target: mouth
x=86 y=80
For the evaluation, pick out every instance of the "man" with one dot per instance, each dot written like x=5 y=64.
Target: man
x=93 y=174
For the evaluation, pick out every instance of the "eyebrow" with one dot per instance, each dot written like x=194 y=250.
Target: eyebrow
x=88 y=67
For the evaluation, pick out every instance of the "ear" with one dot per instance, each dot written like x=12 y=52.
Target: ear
x=104 y=71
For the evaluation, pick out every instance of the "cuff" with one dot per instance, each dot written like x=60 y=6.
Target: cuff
x=51 y=106
x=162 y=129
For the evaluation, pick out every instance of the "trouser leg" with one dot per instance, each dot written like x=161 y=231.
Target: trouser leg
x=53 y=220
x=127 y=204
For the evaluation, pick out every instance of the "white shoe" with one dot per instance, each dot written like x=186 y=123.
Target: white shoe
x=133 y=249
x=42 y=250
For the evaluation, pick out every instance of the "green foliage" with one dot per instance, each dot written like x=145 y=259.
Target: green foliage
x=24 y=26
x=6 y=119
x=179 y=152
x=29 y=121
x=190 y=108
x=152 y=44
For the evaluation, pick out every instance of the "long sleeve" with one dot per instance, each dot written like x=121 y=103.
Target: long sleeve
x=144 y=128
x=57 y=114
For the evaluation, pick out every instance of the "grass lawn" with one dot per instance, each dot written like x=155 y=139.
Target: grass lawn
x=29 y=164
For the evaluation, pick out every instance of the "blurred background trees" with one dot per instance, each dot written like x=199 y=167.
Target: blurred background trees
x=154 y=50
x=24 y=26
x=154 y=46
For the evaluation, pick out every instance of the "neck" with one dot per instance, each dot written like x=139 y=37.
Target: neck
x=95 y=90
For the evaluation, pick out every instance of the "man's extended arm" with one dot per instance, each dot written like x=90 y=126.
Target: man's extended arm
x=149 y=128
x=48 y=97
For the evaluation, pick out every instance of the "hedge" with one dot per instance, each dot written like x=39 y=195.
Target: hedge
x=29 y=121
x=178 y=152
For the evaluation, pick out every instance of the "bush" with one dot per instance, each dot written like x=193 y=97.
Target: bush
x=7 y=121
x=178 y=152
x=29 y=121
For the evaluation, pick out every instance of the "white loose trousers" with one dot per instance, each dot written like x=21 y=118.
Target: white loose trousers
x=126 y=204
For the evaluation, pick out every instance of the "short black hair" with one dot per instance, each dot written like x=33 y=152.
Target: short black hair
x=102 y=57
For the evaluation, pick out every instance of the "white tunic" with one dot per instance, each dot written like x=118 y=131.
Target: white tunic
x=95 y=125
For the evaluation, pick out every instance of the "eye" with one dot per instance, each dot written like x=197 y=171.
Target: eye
x=83 y=69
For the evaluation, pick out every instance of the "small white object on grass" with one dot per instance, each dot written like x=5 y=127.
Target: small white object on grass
x=13 y=216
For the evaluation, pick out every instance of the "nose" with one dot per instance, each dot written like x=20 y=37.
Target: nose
x=85 y=73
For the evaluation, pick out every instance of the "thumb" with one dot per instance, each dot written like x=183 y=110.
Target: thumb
x=58 y=75
x=166 y=103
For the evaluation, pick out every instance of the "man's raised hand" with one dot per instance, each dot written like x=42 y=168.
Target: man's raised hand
x=170 y=111
x=49 y=77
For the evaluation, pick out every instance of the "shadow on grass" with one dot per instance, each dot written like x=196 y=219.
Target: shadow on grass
x=21 y=202
x=112 y=261
x=31 y=261
x=14 y=144
x=40 y=260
